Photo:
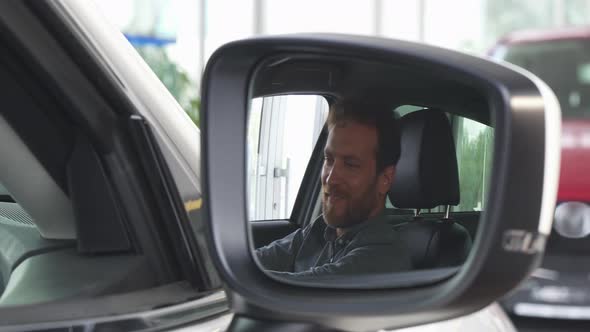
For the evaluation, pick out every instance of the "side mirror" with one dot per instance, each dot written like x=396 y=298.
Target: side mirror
x=510 y=239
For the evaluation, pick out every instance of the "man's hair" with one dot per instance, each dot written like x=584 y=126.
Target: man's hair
x=375 y=115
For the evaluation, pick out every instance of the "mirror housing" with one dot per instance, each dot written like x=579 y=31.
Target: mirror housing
x=510 y=239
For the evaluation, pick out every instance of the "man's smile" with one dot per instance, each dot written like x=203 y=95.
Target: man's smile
x=334 y=196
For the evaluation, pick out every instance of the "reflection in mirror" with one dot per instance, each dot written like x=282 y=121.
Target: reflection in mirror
x=282 y=132
x=398 y=173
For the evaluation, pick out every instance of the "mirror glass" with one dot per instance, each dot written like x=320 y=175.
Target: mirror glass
x=359 y=178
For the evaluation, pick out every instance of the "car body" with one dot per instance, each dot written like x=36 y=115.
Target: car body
x=560 y=57
x=151 y=154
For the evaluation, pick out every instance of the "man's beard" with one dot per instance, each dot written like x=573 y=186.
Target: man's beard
x=356 y=211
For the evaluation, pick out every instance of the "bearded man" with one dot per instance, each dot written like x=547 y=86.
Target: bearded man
x=352 y=235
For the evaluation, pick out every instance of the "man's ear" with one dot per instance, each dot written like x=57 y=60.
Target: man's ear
x=386 y=179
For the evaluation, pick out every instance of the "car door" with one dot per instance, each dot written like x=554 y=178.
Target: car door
x=101 y=197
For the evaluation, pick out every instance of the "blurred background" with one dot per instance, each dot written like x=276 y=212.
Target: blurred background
x=550 y=38
x=176 y=37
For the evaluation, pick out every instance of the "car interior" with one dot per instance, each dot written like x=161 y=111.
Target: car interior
x=424 y=197
x=64 y=232
x=44 y=254
x=427 y=177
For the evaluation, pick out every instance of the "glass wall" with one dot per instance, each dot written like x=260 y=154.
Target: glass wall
x=176 y=37
x=167 y=34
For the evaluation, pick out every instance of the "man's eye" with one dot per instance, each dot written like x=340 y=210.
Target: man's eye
x=352 y=164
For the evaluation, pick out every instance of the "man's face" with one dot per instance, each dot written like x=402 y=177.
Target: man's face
x=352 y=190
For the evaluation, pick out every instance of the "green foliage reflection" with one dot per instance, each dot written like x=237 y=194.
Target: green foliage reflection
x=474 y=156
x=176 y=79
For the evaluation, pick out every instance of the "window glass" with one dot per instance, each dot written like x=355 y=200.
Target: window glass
x=473 y=142
x=167 y=35
x=282 y=133
x=406 y=109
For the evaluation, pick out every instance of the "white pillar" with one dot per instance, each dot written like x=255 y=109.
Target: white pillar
x=258 y=19
x=421 y=20
x=559 y=13
x=378 y=18
x=202 y=15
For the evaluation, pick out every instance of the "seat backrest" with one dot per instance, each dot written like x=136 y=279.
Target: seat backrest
x=435 y=242
x=427 y=177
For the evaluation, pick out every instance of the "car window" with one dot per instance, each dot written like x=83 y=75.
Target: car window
x=473 y=145
x=563 y=64
x=282 y=132
x=406 y=109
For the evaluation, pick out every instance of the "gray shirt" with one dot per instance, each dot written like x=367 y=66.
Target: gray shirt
x=372 y=246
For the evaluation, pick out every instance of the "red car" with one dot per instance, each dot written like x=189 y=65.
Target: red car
x=561 y=58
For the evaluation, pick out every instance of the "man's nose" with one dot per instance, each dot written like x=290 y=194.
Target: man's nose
x=334 y=174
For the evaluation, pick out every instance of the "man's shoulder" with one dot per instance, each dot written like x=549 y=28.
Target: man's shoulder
x=379 y=232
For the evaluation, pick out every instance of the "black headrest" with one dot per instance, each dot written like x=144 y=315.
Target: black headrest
x=426 y=173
